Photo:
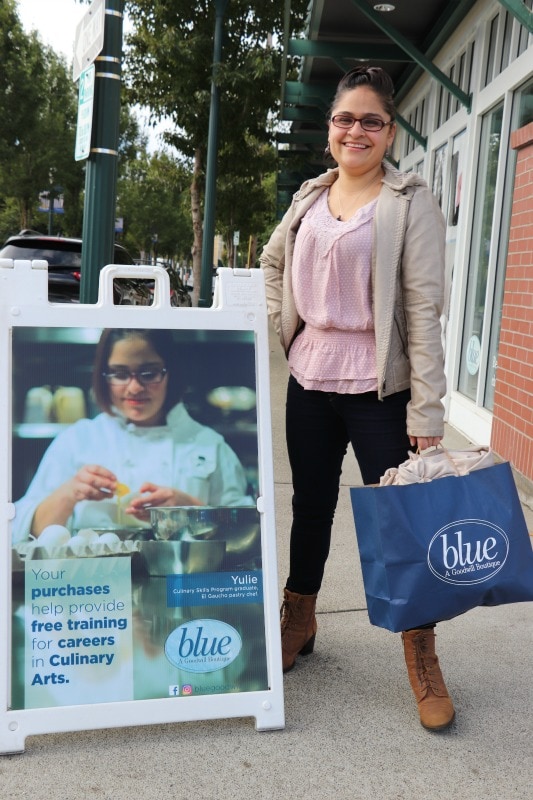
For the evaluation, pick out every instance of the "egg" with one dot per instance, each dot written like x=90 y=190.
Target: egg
x=54 y=535
x=109 y=538
x=78 y=541
x=87 y=534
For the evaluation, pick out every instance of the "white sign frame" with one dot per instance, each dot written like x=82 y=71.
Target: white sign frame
x=239 y=305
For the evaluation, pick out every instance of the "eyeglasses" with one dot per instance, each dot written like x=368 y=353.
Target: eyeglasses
x=369 y=124
x=121 y=377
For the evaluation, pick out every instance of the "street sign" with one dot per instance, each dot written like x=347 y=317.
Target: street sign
x=85 y=114
x=89 y=39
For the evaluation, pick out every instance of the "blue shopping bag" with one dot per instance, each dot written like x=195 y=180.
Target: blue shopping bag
x=430 y=551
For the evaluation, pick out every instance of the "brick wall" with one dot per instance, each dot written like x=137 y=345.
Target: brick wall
x=512 y=429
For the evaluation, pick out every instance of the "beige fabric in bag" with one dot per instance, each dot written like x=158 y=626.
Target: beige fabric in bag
x=438 y=463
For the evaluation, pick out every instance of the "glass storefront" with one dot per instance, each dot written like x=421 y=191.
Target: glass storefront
x=476 y=309
x=486 y=280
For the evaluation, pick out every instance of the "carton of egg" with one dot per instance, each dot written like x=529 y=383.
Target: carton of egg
x=55 y=541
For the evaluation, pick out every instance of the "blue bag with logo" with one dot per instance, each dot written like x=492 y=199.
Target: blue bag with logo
x=430 y=551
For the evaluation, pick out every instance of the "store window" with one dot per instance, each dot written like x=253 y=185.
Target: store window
x=491 y=52
x=507 y=30
x=417 y=119
x=477 y=315
x=439 y=167
x=456 y=179
x=523 y=36
x=508 y=38
x=522 y=115
x=525 y=106
x=460 y=72
x=488 y=253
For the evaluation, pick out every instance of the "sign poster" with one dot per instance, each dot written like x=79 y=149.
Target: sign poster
x=137 y=568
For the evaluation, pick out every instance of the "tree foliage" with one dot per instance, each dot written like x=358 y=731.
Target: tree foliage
x=152 y=200
x=38 y=112
x=169 y=69
x=38 y=109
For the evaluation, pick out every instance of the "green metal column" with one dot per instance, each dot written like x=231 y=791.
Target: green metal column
x=205 y=298
x=101 y=176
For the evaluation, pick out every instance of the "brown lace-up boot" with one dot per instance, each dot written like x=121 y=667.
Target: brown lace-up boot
x=298 y=626
x=434 y=703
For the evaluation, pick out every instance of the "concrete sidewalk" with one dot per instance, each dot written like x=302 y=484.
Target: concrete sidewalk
x=352 y=730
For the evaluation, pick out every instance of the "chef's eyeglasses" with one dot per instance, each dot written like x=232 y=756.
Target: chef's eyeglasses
x=368 y=124
x=121 y=377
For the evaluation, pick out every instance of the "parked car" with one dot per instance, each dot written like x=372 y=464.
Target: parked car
x=64 y=263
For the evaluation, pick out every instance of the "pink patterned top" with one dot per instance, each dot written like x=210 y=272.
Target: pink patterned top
x=336 y=350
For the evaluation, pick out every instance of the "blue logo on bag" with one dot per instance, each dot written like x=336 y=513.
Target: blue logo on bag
x=468 y=551
x=203 y=645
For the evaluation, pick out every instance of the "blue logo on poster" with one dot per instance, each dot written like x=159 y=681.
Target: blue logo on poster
x=468 y=551
x=203 y=645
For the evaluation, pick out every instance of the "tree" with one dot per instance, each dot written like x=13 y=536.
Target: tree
x=169 y=70
x=38 y=109
x=245 y=195
x=38 y=112
x=151 y=202
x=18 y=92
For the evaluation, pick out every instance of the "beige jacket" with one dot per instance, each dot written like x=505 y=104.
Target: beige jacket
x=408 y=289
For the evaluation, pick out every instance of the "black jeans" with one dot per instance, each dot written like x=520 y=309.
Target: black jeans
x=320 y=425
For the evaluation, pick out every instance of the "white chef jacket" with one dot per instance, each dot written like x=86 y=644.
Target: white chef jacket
x=183 y=454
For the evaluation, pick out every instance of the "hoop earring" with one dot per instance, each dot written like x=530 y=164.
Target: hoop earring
x=327 y=154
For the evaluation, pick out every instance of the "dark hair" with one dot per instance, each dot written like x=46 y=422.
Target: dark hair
x=163 y=344
x=373 y=77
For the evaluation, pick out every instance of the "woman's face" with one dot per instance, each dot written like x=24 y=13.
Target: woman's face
x=357 y=151
x=141 y=404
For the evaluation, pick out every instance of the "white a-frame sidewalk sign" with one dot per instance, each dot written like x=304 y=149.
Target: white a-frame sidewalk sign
x=138 y=576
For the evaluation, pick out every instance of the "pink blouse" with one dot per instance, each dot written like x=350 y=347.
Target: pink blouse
x=336 y=350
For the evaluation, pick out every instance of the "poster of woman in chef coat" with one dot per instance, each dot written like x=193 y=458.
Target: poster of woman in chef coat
x=136 y=537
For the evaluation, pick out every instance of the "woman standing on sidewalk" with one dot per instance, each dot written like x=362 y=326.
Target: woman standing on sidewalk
x=355 y=280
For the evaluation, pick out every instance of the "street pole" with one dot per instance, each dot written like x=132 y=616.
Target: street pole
x=101 y=175
x=205 y=298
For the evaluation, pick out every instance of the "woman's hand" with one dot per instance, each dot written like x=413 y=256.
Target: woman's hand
x=423 y=442
x=153 y=495
x=91 y=482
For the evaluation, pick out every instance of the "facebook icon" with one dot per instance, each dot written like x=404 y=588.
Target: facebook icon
x=174 y=691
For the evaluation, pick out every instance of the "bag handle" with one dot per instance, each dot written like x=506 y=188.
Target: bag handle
x=461 y=462
x=441 y=449
x=438 y=463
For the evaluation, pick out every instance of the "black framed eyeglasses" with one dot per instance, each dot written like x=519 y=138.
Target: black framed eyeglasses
x=121 y=377
x=369 y=124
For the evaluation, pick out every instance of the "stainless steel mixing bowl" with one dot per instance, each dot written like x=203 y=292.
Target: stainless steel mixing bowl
x=239 y=527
